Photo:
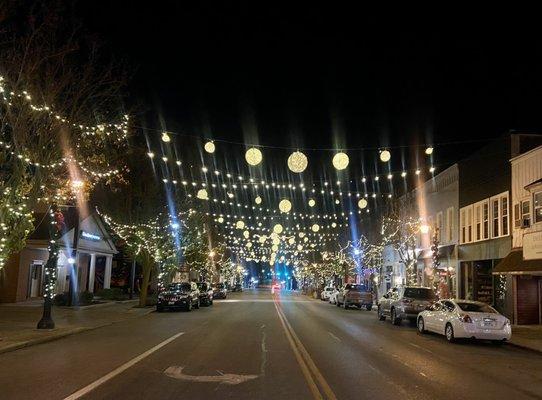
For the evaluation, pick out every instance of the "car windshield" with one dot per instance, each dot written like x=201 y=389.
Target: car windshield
x=357 y=288
x=182 y=287
x=476 y=307
x=419 y=293
x=202 y=286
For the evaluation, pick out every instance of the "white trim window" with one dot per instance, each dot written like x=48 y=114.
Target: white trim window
x=537 y=207
x=438 y=226
x=525 y=213
x=477 y=222
x=469 y=224
x=450 y=224
x=462 y=226
x=500 y=224
x=485 y=219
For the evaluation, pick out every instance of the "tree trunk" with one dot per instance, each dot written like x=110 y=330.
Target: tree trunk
x=146 y=268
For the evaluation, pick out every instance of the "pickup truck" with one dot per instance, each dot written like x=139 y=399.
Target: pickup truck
x=357 y=295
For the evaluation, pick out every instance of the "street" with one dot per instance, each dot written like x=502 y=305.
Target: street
x=256 y=345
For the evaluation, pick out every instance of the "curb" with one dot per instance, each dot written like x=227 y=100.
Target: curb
x=524 y=347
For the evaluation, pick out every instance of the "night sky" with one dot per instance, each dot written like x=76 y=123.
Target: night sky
x=322 y=77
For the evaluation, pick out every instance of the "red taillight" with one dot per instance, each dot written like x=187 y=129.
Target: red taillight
x=466 y=318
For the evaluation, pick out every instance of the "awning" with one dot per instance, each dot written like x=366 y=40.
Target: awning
x=443 y=251
x=514 y=263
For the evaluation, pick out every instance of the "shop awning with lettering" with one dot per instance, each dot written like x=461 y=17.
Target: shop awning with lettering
x=514 y=263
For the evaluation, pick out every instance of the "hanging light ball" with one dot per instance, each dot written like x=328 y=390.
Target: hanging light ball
x=253 y=156
x=277 y=228
x=262 y=239
x=340 y=161
x=209 y=147
x=285 y=206
x=312 y=203
x=240 y=224
x=315 y=228
x=333 y=224
x=385 y=156
x=220 y=220
x=246 y=234
x=274 y=247
x=258 y=200
x=362 y=203
x=276 y=241
x=249 y=245
x=165 y=137
x=301 y=234
x=291 y=240
x=297 y=162
x=299 y=247
x=202 y=194
x=429 y=150
x=337 y=201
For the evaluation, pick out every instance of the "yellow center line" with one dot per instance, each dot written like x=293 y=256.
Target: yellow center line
x=305 y=361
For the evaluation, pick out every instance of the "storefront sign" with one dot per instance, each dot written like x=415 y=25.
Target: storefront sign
x=532 y=246
x=90 y=236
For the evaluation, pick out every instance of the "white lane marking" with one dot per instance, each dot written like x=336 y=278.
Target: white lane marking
x=261 y=301
x=227 y=379
x=334 y=337
x=264 y=352
x=81 y=392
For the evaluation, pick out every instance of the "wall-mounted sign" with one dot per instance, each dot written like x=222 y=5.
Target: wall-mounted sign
x=532 y=246
x=90 y=236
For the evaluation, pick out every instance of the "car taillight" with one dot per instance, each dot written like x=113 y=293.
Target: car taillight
x=465 y=318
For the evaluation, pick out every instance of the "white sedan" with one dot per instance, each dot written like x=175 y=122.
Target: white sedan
x=465 y=319
x=326 y=293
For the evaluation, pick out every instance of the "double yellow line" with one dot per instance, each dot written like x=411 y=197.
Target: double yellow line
x=318 y=386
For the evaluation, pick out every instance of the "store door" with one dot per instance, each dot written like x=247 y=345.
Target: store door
x=528 y=299
x=99 y=274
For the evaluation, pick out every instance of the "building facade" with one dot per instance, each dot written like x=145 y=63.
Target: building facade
x=22 y=277
x=520 y=272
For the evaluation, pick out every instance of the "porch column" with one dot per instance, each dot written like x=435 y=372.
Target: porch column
x=107 y=274
x=91 y=273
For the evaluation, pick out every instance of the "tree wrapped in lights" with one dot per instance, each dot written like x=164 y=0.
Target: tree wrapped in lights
x=54 y=108
x=402 y=234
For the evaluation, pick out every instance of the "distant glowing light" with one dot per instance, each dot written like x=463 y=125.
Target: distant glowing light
x=277 y=228
x=253 y=156
x=403 y=174
x=312 y=203
x=150 y=154
x=202 y=194
x=390 y=176
x=209 y=147
x=340 y=161
x=429 y=150
x=417 y=172
x=424 y=229
x=285 y=206
x=240 y=224
x=362 y=203
x=258 y=200
x=315 y=228
x=385 y=156
x=432 y=169
x=297 y=162
x=165 y=137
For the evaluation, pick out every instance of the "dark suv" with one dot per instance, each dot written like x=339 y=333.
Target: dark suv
x=405 y=302
x=205 y=294
x=219 y=291
x=179 y=295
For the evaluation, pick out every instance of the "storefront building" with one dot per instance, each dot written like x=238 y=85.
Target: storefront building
x=22 y=277
x=521 y=269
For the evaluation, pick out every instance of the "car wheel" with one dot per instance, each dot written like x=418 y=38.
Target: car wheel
x=498 y=342
x=159 y=308
x=381 y=316
x=421 y=325
x=394 y=319
x=449 y=332
x=197 y=304
x=189 y=306
x=369 y=307
x=210 y=302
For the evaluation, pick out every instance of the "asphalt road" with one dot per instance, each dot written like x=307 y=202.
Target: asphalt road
x=258 y=346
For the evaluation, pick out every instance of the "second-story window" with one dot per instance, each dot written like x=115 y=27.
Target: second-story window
x=449 y=224
x=485 y=219
x=477 y=222
x=525 y=213
x=495 y=215
x=537 y=207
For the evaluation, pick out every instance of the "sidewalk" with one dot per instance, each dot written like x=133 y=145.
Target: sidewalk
x=527 y=336
x=18 y=321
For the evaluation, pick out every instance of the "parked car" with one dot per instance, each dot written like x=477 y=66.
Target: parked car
x=353 y=294
x=405 y=302
x=326 y=293
x=333 y=296
x=179 y=295
x=220 y=291
x=465 y=319
x=237 y=288
x=205 y=294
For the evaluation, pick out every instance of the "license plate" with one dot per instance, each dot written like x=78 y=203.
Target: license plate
x=171 y=303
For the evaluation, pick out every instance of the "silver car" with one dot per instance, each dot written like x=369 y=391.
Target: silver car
x=405 y=302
